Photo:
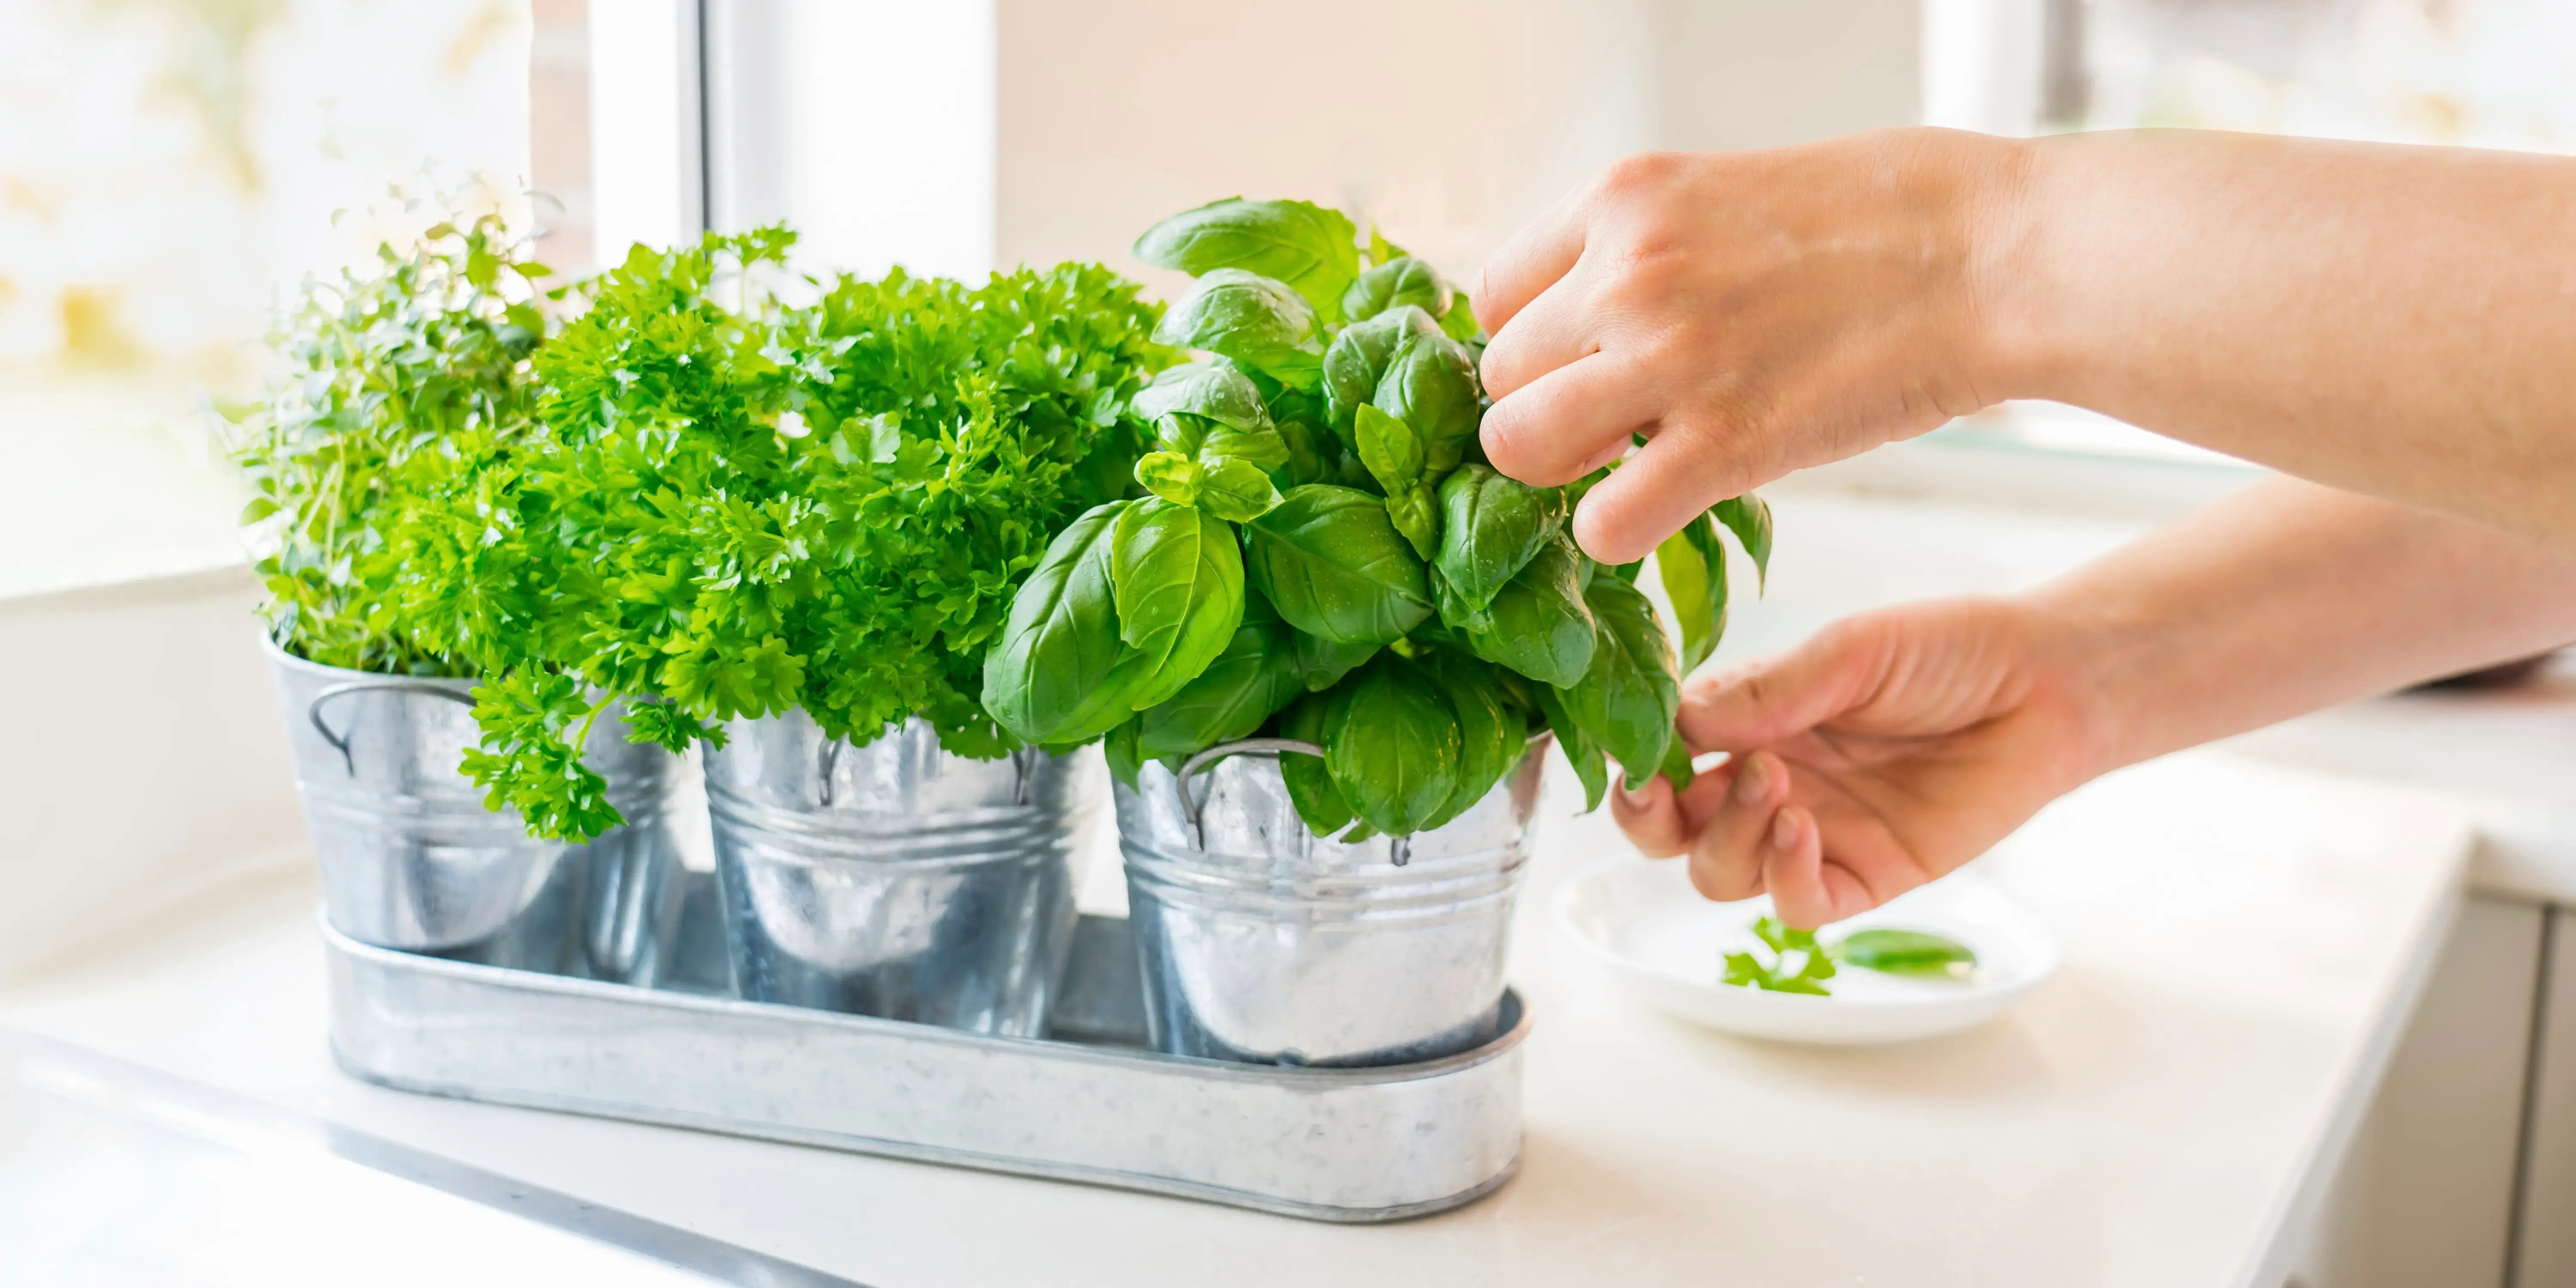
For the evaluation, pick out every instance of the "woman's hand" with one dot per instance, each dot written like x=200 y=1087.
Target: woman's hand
x=1884 y=752
x=1751 y=313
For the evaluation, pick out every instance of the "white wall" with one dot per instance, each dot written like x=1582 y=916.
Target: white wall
x=1449 y=122
x=145 y=763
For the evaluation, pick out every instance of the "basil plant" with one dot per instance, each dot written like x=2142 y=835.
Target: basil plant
x=1316 y=549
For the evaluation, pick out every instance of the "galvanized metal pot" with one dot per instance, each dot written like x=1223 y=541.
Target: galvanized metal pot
x=896 y=879
x=1262 y=942
x=411 y=858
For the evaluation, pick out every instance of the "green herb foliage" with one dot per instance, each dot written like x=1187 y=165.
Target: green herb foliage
x=396 y=385
x=1400 y=603
x=733 y=508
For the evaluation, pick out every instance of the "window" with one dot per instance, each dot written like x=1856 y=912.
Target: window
x=167 y=171
x=2479 y=73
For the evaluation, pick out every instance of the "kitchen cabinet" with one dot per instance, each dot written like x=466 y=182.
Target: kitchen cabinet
x=2424 y=1195
x=2546 y=1221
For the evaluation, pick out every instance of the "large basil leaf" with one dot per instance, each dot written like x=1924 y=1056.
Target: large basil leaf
x=1310 y=247
x=1491 y=526
x=1357 y=361
x=1390 y=449
x=1310 y=787
x=1581 y=752
x=1541 y=624
x=1255 y=675
x=1171 y=476
x=1492 y=736
x=1061 y=641
x=1430 y=384
x=1322 y=662
x=1177 y=576
x=1749 y=518
x=1392 y=744
x=1118 y=747
x=1400 y=281
x=1693 y=567
x=1212 y=442
x=1392 y=453
x=1213 y=389
x=1629 y=697
x=1251 y=319
x=1310 y=454
x=1330 y=560
x=1237 y=490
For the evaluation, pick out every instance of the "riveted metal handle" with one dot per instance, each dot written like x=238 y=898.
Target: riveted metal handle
x=1242 y=746
x=340 y=741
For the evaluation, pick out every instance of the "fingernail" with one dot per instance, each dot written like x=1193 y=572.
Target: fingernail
x=1754 y=781
x=1784 y=830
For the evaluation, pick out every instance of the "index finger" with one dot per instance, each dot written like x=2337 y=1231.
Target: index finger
x=1530 y=262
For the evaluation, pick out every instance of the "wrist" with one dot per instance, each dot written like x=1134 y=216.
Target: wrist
x=2112 y=663
x=2008 y=287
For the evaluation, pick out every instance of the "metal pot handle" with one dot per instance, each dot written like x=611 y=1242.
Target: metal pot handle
x=1191 y=767
x=340 y=742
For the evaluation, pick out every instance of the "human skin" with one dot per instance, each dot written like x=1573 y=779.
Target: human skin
x=1897 y=745
x=2398 y=322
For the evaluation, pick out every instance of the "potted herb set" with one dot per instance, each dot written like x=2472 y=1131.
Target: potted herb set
x=786 y=534
x=399 y=385
x=1325 y=646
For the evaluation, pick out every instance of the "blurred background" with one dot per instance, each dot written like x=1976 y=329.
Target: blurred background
x=173 y=171
x=173 y=168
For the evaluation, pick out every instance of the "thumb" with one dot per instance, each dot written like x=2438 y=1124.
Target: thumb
x=1767 y=701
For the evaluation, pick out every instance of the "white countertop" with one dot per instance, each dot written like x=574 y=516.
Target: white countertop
x=2243 y=945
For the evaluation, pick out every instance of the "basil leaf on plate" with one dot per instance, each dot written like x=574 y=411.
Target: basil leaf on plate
x=1907 y=952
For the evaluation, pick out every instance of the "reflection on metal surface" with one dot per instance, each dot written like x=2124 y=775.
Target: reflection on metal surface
x=1089 y=1105
x=411 y=857
x=1264 y=943
x=896 y=879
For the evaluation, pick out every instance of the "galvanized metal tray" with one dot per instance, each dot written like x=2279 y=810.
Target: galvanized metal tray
x=1088 y=1103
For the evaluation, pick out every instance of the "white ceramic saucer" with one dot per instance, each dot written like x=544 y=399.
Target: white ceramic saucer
x=1665 y=945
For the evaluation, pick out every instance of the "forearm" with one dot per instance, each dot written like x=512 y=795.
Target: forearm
x=2395 y=321
x=2293 y=597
